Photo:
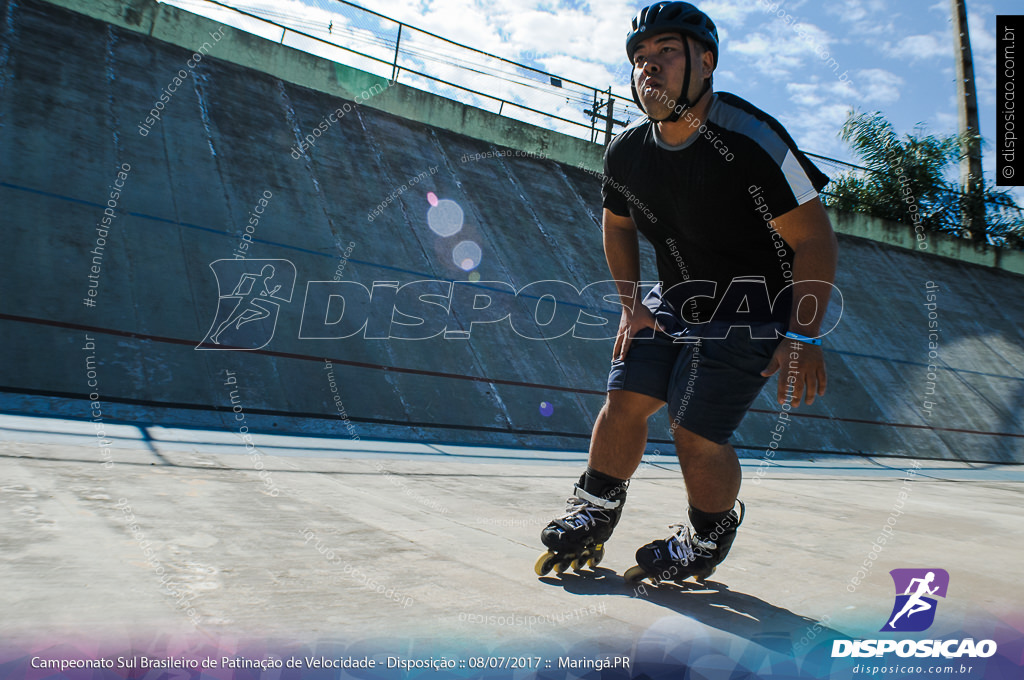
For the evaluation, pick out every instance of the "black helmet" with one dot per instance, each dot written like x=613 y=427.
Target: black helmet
x=674 y=17
x=664 y=17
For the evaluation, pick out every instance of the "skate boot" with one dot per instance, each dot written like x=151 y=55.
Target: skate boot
x=577 y=538
x=686 y=553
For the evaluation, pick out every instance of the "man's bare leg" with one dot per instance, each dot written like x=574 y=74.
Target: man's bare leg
x=617 y=445
x=620 y=433
x=711 y=471
x=712 y=476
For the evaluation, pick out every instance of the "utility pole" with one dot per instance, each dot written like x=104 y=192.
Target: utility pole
x=609 y=118
x=971 y=180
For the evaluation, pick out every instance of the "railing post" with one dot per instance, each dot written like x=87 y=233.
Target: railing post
x=611 y=118
x=394 y=66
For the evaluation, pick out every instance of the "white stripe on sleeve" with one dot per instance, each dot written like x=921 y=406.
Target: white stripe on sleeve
x=798 y=180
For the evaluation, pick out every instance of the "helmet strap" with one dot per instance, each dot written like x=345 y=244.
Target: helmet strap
x=682 y=103
x=679 y=110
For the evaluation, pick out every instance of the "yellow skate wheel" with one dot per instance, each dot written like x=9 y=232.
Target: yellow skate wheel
x=597 y=556
x=562 y=565
x=635 y=574
x=581 y=561
x=701 y=577
x=544 y=563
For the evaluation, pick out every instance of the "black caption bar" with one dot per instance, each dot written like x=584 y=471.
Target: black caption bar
x=1009 y=135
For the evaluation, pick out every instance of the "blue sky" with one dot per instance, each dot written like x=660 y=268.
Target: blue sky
x=895 y=56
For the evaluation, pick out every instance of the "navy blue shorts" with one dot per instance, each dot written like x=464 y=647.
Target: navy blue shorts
x=708 y=384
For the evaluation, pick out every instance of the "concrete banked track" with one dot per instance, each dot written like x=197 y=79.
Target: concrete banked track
x=74 y=91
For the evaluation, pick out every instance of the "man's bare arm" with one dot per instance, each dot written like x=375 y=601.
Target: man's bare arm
x=807 y=231
x=622 y=251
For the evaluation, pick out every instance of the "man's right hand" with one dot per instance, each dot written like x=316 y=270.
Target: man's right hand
x=631 y=323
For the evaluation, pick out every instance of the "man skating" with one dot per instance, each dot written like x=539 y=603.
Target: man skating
x=723 y=195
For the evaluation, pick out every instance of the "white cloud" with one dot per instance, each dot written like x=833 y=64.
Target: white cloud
x=920 y=47
x=870 y=18
x=781 y=49
x=458 y=20
x=805 y=94
x=844 y=91
x=848 y=10
x=878 y=86
x=730 y=13
x=581 y=70
x=758 y=51
x=816 y=128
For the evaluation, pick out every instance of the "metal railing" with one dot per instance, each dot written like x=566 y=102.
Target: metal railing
x=346 y=33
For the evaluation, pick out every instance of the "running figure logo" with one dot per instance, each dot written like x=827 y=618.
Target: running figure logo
x=247 y=316
x=914 y=610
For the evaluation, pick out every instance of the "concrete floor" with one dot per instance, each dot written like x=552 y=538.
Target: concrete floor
x=451 y=534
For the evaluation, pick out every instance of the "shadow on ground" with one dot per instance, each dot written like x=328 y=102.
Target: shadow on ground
x=710 y=603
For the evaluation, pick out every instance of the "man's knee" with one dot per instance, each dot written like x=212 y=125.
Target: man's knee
x=630 y=405
x=688 y=442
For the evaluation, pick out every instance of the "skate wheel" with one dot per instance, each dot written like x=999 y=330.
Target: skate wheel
x=595 y=559
x=635 y=574
x=545 y=563
x=700 y=577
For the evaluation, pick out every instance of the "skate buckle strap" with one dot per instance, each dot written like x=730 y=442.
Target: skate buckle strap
x=578 y=509
x=603 y=503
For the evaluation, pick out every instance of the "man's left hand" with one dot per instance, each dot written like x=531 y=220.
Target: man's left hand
x=807 y=375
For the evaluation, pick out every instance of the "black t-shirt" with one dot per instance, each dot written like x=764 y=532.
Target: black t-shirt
x=706 y=207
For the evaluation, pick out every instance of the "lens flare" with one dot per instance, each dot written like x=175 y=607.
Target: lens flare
x=467 y=255
x=445 y=218
x=431 y=198
x=546 y=409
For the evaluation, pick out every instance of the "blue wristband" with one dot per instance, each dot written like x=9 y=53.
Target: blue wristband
x=802 y=338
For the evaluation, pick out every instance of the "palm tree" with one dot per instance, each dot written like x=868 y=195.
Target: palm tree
x=906 y=181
